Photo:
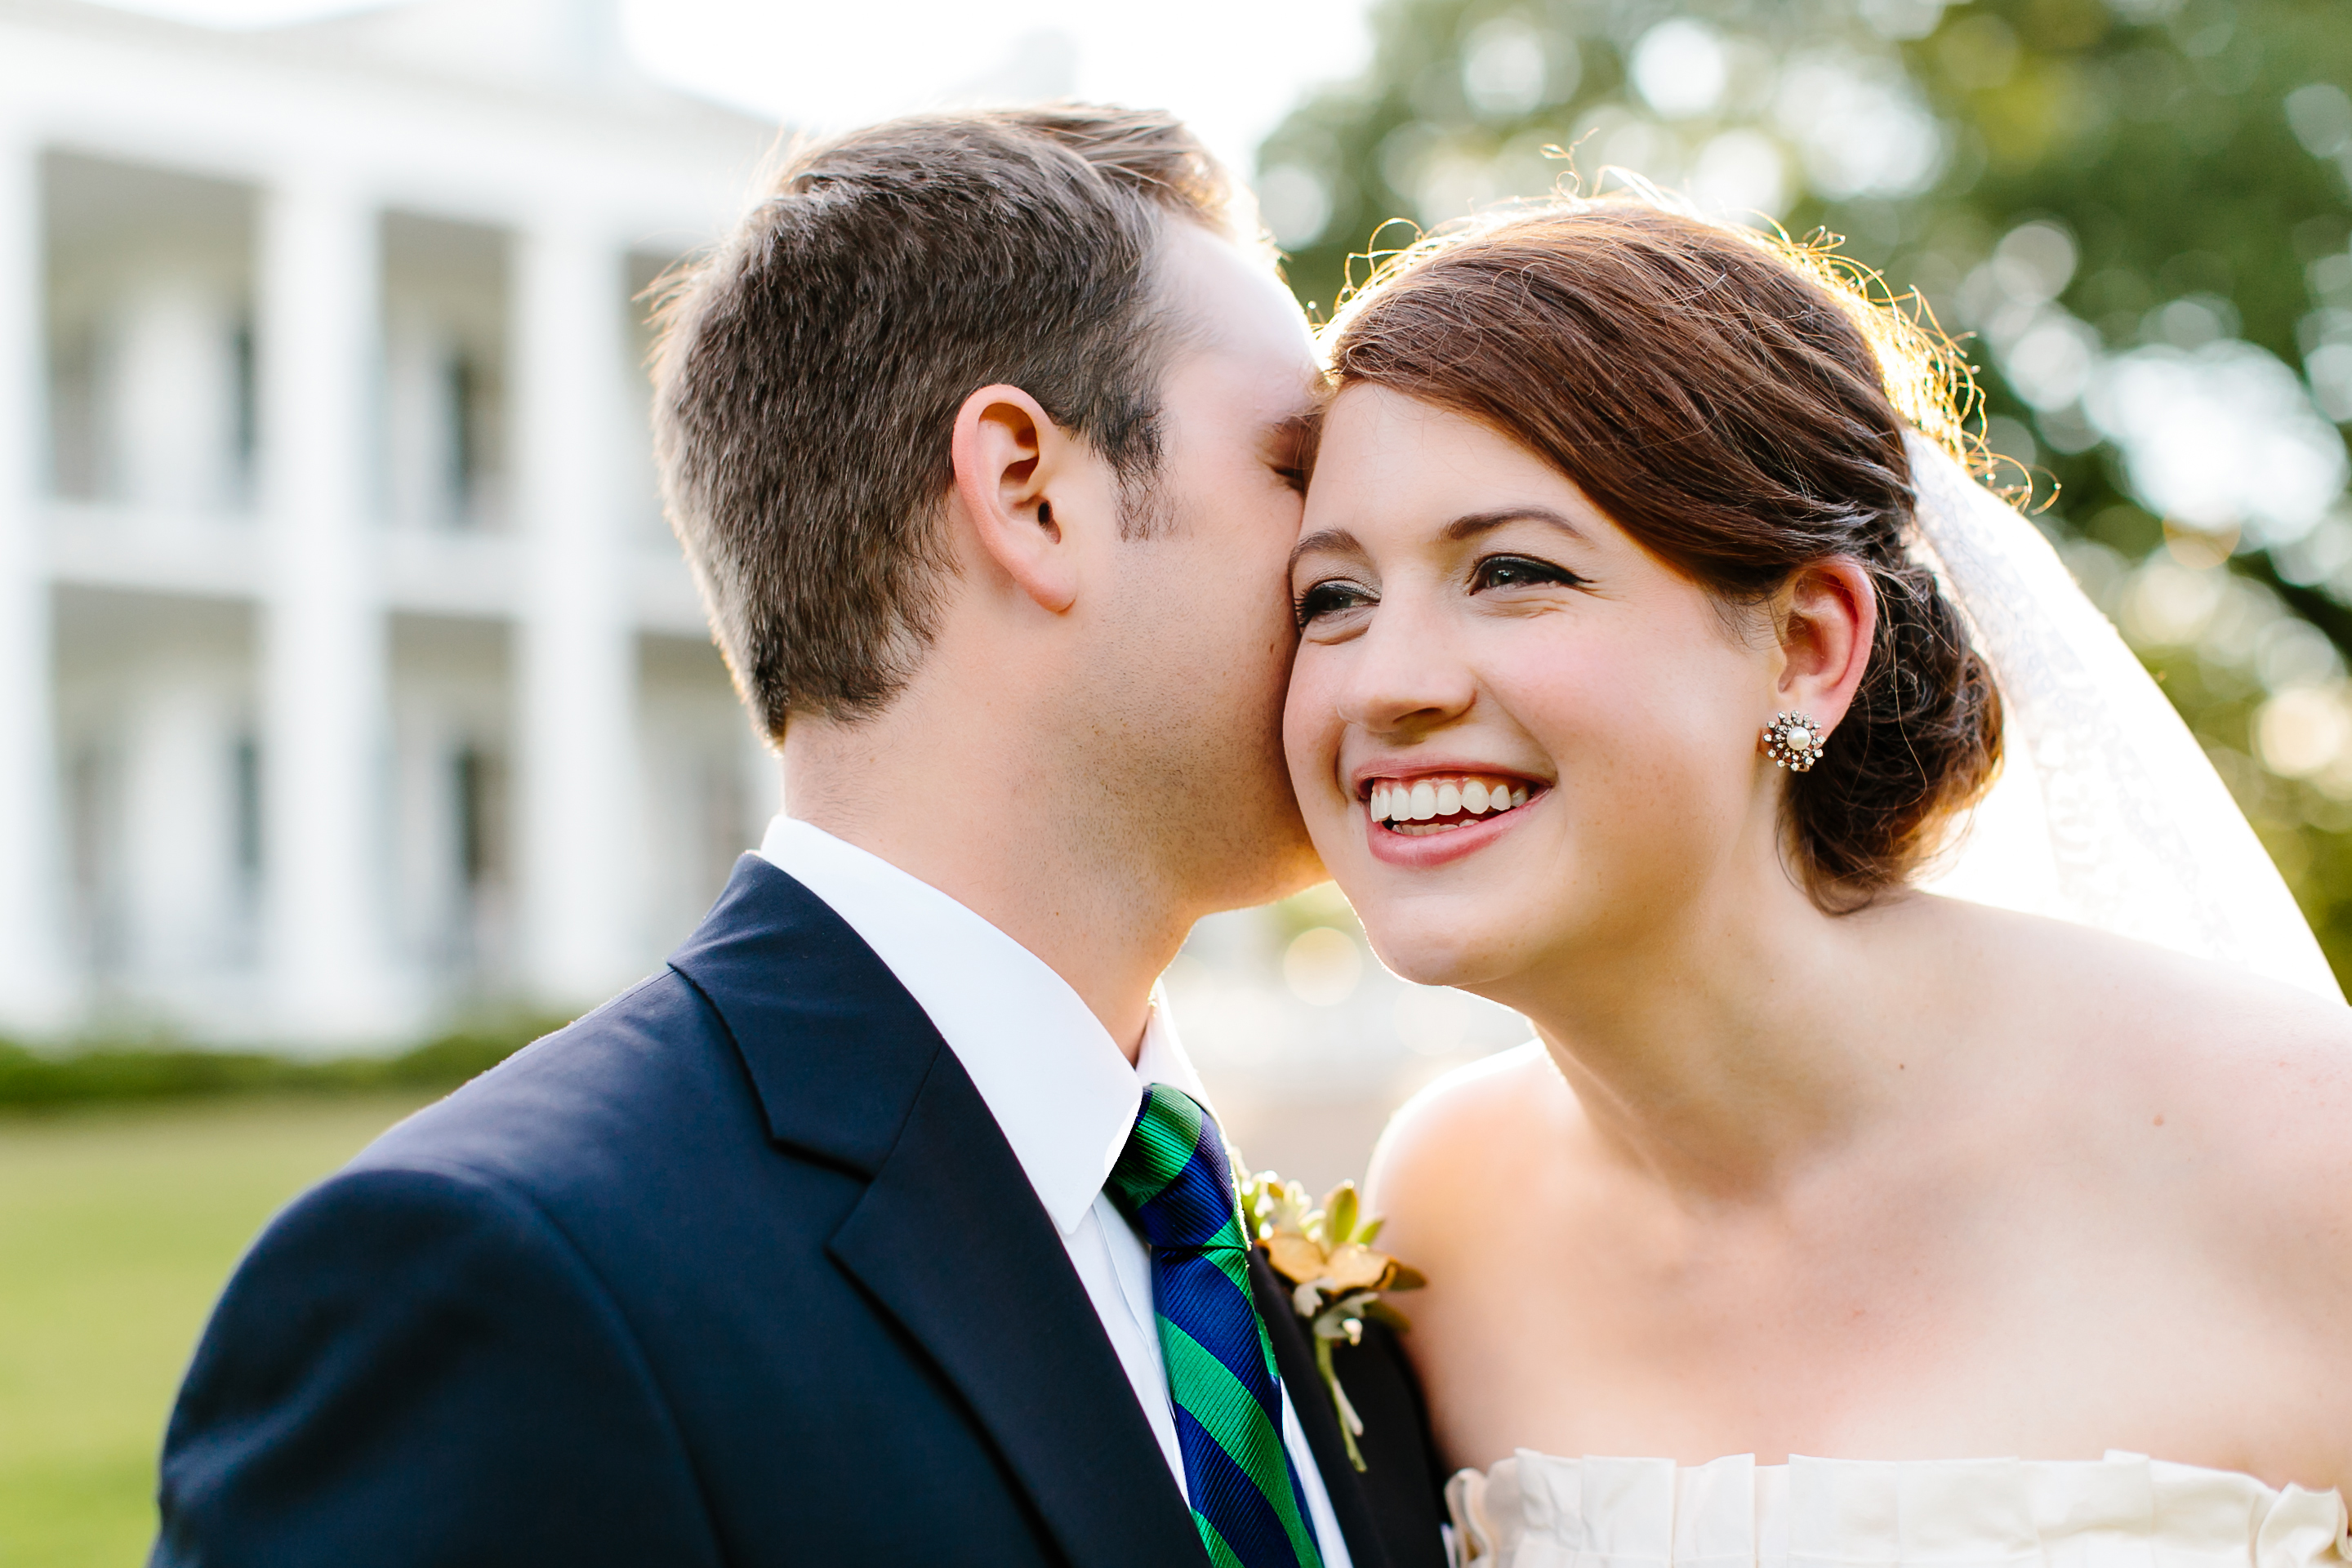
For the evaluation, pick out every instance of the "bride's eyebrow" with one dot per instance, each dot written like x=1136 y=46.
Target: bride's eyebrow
x=1478 y=523
x=1333 y=541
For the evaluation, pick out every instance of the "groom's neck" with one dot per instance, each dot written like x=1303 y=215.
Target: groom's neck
x=1016 y=833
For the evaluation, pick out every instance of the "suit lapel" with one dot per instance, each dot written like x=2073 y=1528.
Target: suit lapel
x=951 y=1241
x=1294 y=1357
x=949 y=1238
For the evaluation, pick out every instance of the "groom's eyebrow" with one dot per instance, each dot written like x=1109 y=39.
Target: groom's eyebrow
x=1289 y=446
x=1294 y=435
x=1478 y=523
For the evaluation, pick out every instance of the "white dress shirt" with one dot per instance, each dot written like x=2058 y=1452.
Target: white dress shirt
x=1060 y=1089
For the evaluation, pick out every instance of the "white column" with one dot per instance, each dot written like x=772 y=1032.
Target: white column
x=576 y=829
x=176 y=395
x=36 y=992
x=323 y=680
x=179 y=816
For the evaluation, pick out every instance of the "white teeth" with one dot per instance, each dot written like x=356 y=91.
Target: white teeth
x=1397 y=802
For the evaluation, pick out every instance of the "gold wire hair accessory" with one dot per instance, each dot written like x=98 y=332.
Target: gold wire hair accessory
x=1794 y=741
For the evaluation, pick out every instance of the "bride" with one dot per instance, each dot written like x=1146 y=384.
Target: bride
x=1653 y=647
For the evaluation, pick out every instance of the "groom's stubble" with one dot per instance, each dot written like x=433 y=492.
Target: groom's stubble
x=1185 y=718
x=1188 y=721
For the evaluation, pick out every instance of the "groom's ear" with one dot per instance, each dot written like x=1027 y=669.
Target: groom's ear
x=1827 y=618
x=1012 y=462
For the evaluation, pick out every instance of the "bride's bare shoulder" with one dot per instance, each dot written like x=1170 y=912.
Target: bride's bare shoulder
x=2145 y=1004
x=1467 y=1131
x=2247 y=1078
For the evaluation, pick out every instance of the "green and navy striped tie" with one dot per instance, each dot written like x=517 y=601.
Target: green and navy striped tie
x=1173 y=1182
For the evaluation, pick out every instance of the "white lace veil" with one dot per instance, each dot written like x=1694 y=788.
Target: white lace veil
x=2106 y=812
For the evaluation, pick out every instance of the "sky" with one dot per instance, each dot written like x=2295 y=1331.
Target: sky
x=1232 y=67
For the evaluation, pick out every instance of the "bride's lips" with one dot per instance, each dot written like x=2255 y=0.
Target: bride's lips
x=1424 y=816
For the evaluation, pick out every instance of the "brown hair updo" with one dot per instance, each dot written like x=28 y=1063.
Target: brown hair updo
x=1726 y=399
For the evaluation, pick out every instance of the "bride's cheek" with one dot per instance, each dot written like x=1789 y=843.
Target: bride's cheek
x=1310 y=734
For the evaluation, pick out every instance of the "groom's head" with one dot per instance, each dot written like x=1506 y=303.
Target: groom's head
x=1007 y=403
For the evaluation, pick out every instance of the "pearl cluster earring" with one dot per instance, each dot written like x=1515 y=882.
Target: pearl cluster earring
x=1794 y=741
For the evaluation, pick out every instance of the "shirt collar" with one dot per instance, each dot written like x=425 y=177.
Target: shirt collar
x=1058 y=1086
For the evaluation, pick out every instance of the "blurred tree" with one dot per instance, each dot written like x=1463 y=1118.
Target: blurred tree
x=2136 y=211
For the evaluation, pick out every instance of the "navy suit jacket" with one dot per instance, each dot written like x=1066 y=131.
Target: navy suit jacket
x=737 y=1269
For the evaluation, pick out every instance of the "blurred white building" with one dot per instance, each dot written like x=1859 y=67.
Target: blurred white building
x=348 y=676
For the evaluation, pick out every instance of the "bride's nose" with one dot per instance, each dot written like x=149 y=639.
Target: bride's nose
x=1405 y=675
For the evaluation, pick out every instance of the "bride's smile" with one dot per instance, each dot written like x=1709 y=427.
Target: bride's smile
x=1426 y=803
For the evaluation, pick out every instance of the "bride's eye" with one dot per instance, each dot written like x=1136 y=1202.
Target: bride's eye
x=1518 y=572
x=1331 y=597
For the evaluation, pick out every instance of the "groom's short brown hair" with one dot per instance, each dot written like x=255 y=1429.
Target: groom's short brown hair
x=809 y=369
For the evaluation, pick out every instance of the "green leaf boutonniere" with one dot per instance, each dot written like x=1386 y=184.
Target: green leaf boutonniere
x=1336 y=1276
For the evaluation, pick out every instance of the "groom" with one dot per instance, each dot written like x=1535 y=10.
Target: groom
x=883 y=1226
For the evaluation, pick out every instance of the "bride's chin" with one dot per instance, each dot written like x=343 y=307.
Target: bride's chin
x=1424 y=955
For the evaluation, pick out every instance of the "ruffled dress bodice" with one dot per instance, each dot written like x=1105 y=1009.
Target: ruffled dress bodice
x=2122 y=1511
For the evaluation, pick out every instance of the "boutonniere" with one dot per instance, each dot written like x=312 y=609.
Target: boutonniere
x=1337 y=1278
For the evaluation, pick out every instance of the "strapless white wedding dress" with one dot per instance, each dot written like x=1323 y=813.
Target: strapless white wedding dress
x=2122 y=1511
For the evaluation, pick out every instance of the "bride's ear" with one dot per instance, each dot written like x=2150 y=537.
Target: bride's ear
x=1827 y=619
x=1010 y=458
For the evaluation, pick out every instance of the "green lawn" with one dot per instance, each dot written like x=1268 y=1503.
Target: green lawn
x=117 y=1228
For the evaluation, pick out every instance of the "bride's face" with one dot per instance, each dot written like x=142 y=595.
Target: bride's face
x=1475 y=633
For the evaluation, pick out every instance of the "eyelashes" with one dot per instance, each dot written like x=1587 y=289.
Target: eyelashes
x=1330 y=596
x=1519 y=572
x=1339 y=596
